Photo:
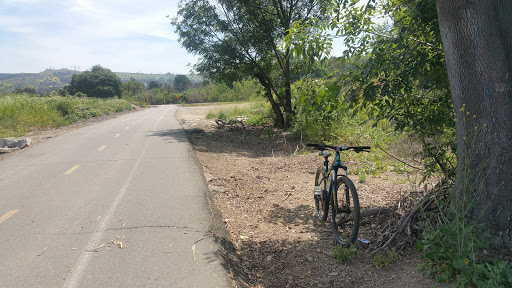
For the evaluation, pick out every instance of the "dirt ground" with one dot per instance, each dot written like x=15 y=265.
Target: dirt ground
x=263 y=188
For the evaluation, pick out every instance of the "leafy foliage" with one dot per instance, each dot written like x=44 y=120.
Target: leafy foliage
x=181 y=83
x=243 y=38
x=132 y=87
x=391 y=70
x=383 y=260
x=21 y=113
x=99 y=82
x=154 y=84
x=243 y=90
x=397 y=72
x=344 y=254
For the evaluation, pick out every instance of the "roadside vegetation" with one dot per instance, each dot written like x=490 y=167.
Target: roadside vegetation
x=23 y=113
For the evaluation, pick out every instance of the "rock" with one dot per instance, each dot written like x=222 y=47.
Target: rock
x=11 y=143
x=8 y=150
x=5 y=142
x=23 y=143
x=209 y=177
x=217 y=189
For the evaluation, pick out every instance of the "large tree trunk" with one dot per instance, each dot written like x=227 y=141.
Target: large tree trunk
x=279 y=120
x=477 y=41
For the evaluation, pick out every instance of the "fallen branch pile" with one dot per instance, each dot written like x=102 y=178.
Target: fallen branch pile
x=402 y=229
x=233 y=124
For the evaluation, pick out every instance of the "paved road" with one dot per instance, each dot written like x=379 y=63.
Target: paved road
x=117 y=204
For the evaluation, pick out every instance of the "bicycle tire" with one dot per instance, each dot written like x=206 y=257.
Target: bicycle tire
x=346 y=231
x=321 y=203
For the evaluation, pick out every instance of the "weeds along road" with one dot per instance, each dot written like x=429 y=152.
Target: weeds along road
x=118 y=204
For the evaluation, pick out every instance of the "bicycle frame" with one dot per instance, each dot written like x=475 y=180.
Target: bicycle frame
x=333 y=175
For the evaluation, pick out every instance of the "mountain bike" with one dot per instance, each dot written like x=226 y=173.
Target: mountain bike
x=345 y=211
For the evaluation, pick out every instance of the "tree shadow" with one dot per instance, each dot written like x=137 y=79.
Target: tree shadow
x=299 y=215
x=171 y=136
x=250 y=142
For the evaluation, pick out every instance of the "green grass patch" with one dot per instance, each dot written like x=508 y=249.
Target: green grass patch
x=343 y=254
x=254 y=113
x=384 y=260
x=22 y=113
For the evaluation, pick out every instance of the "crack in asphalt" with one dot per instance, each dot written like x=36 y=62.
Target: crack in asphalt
x=135 y=227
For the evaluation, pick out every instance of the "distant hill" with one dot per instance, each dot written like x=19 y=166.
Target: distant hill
x=44 y=82
x=51 y=80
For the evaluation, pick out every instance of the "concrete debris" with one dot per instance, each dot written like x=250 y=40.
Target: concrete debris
x=10 y=144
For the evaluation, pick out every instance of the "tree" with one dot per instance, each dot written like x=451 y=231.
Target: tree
x=181 y=83
x=237 y=38
x=477 y=41
x=132 y=86
x=28 y=90
x=394 y=70
x=98 y=82
x=154 y=84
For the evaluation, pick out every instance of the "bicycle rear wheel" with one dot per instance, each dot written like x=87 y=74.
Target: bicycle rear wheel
x=321 y=201
x=345 y=213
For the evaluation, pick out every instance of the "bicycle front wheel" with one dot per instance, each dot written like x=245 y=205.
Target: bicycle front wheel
x=345 y=213
x=321 y=201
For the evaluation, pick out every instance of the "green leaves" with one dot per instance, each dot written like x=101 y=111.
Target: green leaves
x=237 y=38
x=99 y=82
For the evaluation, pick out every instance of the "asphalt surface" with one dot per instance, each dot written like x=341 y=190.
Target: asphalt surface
x=117 y=204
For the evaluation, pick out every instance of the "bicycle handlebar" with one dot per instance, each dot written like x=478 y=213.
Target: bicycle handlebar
x=323 y=147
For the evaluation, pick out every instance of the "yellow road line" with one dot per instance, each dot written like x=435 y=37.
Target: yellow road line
x=102 y=147
x=8 y=214
x=117 y=135
x=72 y=169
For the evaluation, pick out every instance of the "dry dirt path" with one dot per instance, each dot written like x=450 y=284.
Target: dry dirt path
x=264 y=193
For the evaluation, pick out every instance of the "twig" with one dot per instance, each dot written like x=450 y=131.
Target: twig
x=43 y=251
x=410 y=38
x=421 y=169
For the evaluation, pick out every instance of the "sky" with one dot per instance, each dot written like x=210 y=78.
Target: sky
x=124 y=36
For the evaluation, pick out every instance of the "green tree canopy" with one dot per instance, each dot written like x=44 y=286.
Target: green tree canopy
x=394 y=68
x=154 y=84
x=99 y=82
x=181 y=83
x=238 y=38
x=132 y=86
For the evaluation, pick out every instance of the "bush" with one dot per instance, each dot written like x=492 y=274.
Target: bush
x=453 y=248
x=99 y=82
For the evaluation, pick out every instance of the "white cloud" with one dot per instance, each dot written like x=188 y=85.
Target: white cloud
x=130 y=36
